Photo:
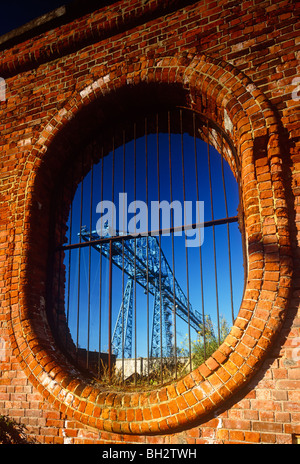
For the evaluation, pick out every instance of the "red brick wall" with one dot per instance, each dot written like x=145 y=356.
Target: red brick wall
x=239 y=59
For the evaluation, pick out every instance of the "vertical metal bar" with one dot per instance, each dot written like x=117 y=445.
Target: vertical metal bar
x=110 y=313
x=200 y=251
x=147 y=250
x=69 y=263
x=135 y=321
x=186 y=248
x=100 y=272
x=160 y=280
x=110 y=265
x=89 y=271
x=79 y=263
x=123 y=262
x=123 y=338
x=60 y=222
x=173 y=250
x=228 y=233
x=100 y=311
x=160 y=315
x=113 y=179
x=213 y=229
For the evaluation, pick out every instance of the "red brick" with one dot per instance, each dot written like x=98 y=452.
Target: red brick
x=223 y=59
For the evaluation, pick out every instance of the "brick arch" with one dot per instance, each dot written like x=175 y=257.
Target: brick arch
x=228 y=97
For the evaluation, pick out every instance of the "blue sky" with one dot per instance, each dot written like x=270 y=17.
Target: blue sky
x=193 y=285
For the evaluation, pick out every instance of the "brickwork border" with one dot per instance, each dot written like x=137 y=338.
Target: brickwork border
x=226 y=95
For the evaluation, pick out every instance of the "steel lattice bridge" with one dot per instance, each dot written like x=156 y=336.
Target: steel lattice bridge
x=144 y=262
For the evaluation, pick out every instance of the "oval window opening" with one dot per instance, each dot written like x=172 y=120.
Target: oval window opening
x=149 y=273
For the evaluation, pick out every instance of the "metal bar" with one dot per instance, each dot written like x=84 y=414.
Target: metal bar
x=200 y=249
x=91 y=195
x=171 y=230
x=59 y=265
x=100 y=313
x=89 y=273
x=69 y=272
x=79 y=263
x=186 y=248
x=147 y=251
x=173 y=249
x=135 y=321
x=159 y=238
x=110 y=314
x=213 y=230
x=123 y=289
x=228 y=234
x=110 y=267
x=100 y=273
x=69 y=263
x=123 y=261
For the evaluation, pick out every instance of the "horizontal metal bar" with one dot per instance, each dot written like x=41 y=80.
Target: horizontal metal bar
x=215 y=222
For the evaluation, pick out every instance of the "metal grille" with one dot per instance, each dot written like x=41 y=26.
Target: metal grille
x=152 y=261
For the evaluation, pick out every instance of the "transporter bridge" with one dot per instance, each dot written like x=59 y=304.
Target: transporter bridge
x=144 y=262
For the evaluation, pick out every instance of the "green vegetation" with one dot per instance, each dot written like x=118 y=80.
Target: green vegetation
x=206 y=343
x=162 y=371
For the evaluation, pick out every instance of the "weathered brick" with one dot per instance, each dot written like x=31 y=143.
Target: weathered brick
x=225 y=55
